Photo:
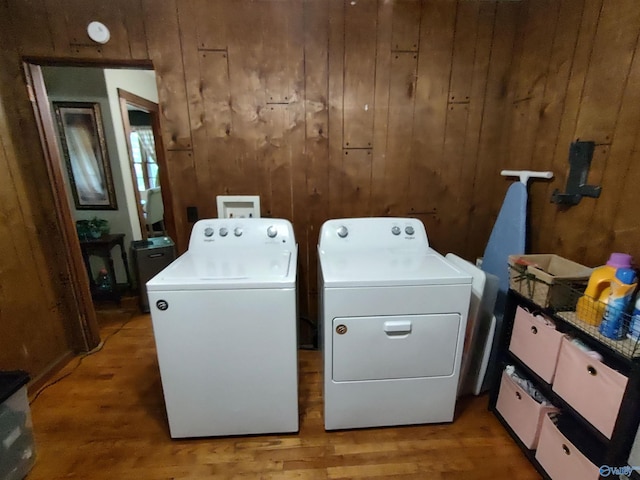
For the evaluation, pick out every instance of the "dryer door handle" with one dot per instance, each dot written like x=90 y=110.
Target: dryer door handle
x=397 y=327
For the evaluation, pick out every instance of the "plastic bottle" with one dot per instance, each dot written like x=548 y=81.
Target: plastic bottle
x=103 y=281
x=591 y=306
x=634 y=328
x=622 y=287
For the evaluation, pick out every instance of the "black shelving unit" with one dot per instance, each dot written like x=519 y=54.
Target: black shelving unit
x=614 y=451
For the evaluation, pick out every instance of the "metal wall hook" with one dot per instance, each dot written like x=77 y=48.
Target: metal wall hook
x=580 y=155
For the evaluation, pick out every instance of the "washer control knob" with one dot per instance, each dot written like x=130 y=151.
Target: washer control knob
x=208 y=232
x=237 y=231
x=409 y=230
x=343 y=232
x=395 y=230
x=272 y=231
x=224 y=231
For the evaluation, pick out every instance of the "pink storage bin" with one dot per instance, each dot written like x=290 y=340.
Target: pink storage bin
x=593 y=389
x=536 y=344
x=522 y=413
x=559 y=458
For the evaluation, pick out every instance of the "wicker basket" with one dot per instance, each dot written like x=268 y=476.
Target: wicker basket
x=548 y=280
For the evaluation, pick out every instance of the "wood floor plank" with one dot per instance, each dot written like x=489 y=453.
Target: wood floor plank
x=106 y=420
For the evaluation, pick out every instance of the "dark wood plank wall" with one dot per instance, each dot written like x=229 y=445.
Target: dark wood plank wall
x=330 y=108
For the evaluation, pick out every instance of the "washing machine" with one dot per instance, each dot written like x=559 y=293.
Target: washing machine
x=393 y=314
x=225 y=326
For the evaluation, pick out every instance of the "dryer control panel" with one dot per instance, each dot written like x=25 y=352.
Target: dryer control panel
x=242 y=232
x=384 y=232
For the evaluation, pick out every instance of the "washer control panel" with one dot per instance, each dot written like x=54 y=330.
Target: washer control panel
x=380 y=232
x=243 y=232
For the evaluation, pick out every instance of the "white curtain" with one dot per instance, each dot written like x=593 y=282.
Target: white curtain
x=148 y=150
x=85 y=166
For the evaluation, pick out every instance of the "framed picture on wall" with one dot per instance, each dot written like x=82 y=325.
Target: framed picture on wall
x=85 y=154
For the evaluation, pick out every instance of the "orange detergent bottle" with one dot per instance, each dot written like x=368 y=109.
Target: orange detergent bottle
x=591 y=305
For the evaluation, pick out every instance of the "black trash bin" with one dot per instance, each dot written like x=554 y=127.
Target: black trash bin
x=149 y=258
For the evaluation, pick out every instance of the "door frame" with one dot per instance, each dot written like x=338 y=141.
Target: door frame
x=128 y=98
x=87 y=323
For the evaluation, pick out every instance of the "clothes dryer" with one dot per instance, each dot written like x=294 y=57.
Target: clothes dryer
x=393 y=314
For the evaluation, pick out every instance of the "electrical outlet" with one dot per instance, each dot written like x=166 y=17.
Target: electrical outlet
x=238 y=206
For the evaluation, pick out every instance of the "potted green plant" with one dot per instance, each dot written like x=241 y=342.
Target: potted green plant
x=93 y=228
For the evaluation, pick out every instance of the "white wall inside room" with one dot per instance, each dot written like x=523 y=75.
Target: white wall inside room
x=143 y=84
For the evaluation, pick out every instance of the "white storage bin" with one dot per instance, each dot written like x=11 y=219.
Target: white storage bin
x=17 y=452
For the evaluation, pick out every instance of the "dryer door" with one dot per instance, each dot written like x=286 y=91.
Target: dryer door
x=399 y=346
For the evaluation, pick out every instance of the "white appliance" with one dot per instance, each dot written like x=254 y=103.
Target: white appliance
x=393 y=314
x=225 y=324
x=481 y=324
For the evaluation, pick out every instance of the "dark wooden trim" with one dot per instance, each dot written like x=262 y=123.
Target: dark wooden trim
x=127 y=133
x=167 y=198
x=88 y=62
x=85 y=328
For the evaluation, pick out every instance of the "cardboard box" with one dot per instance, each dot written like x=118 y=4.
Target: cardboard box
x=548 y=280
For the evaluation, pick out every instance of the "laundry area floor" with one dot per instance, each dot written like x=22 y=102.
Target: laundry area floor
x=106 y=420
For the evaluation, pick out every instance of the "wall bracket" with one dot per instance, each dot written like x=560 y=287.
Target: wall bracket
x=580 y=155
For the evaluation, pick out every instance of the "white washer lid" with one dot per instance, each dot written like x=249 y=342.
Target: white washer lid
x=229 y=269
x=378 y=267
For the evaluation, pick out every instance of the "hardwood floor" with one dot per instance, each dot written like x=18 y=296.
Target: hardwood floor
x=106 y=420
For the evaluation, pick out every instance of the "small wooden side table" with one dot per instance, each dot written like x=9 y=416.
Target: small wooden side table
x=102 y=247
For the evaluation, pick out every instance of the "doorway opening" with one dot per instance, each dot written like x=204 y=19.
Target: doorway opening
x=94 y=156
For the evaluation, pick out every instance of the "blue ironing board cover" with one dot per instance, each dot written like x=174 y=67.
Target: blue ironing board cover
x=508 y=235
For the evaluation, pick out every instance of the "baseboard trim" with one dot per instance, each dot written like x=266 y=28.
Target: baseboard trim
x=49 y=372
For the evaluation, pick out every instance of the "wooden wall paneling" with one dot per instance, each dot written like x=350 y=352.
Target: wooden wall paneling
x=316 y=147
x=608 y=231
x=296 y=138
x=336 y=116
x=537 y=35
x=279 y=166
x=359 y=73
x=613 y=50
x=30 y=26
x=432 y=91
x=379 y=187
x=210 y=20
x=451 y=209
x=58 y=28
x=605 y=231
x=397 y=172
x=356 y=188
x=182 y=172
x=544 y=222
x=550 y=113
x=33 y=334
x=463 y=179
x=163 y=41
x=281 y=40
x=207 y=84
x=610 y=61
x=464 y=51
x=246 y=167
x=134 y=24
x=211 y=125
x=79 y=13
x=405 y=35
x=488 y=163
x=626 y=229
x=30 y=336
